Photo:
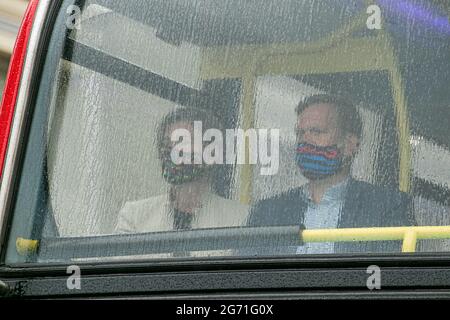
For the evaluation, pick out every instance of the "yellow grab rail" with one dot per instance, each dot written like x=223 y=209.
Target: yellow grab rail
x=409 y=235
x=26 y=246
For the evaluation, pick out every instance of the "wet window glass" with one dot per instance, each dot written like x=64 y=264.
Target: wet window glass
x=184 y=129
x=3 y=71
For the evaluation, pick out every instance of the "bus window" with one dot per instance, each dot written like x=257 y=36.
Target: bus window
x=3 y=70
x=184 y=129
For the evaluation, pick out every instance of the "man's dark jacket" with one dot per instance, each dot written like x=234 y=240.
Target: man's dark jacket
x=364 y=205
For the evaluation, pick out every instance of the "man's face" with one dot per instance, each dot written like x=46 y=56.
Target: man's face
x=318 y=125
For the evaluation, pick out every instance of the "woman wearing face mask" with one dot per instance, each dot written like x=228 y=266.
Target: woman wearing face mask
x=190 y=202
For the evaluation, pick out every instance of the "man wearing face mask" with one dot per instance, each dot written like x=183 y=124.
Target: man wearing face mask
x=190 y=202
x=328 y=134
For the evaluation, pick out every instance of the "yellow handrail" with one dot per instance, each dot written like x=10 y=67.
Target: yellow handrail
x=26 y=246
x=409 y=235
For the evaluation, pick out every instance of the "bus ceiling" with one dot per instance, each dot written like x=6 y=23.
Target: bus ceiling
x=218 y=22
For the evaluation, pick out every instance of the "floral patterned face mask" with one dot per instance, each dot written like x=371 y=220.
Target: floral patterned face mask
x=181 y=173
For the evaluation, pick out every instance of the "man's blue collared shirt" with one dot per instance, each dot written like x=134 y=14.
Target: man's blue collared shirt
x=323 y=215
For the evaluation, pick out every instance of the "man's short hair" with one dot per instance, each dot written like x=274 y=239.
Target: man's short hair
x=348 y=115
x=189 y=115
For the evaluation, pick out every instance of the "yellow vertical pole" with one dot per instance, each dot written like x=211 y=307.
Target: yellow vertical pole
x=402 y=119
x=409 y=241
x=248 y=115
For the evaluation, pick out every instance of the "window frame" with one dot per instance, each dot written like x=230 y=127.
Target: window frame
x=424 y=275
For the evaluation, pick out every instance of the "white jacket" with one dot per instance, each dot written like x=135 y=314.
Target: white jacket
x=153 y=214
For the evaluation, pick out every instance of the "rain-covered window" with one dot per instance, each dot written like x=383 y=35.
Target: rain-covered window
x=196 y=128
x=3 y=71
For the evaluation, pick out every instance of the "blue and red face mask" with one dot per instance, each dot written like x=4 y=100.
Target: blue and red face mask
x=317 y=162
